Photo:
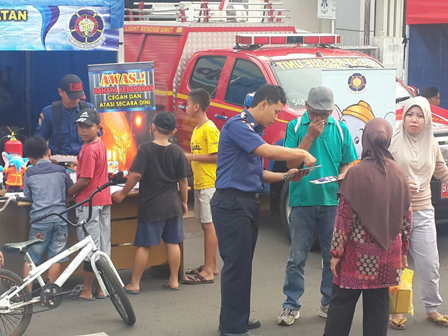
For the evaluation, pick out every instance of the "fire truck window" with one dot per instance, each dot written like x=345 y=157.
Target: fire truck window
x=206 y=74
x=246 y=78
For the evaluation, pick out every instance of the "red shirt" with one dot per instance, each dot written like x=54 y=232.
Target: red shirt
x=92 y=164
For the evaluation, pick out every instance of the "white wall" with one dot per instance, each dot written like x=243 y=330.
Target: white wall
x=304 y=15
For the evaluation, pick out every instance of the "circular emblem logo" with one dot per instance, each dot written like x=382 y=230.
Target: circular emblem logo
x=86 y=29
x=357 y=82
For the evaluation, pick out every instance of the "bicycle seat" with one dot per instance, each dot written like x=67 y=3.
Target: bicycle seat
x=21 y=247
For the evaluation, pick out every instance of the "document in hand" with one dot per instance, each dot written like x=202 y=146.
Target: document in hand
x=324 y=180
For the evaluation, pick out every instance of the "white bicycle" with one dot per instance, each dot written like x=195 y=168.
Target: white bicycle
x=16 y=301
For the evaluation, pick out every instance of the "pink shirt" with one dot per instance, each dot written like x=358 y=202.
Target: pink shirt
x=92 y=164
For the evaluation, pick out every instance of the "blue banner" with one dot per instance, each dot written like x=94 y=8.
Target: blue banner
x=70 y=28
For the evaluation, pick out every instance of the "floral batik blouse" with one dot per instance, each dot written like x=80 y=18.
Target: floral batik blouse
x=364 y=263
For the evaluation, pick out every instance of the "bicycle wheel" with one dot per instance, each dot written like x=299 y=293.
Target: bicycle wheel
x=116 y=291
x=15 y=322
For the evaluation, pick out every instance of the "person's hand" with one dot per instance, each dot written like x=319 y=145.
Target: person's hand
x=316 y=128
x=333 y=265
x=2 y=260
x=309 y=160
x=184 y=208
x=297 y=175
x=118 y=196
x=189 y=157
x=413 y=186
x=70 y=200
x=404 y=262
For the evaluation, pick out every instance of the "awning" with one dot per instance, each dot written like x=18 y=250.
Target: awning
x=426 y=12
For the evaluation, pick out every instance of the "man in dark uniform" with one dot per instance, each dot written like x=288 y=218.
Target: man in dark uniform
x=235 y=205
x=57 y=121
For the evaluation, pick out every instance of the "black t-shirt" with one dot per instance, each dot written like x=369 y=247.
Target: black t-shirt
x=161 y=167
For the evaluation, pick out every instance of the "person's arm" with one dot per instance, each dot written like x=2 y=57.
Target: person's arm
x=343 y=171
x=79 y=186
x=441 y=170
x=341 y=233
x=183 y=189
x=405 y=237
x=205 y=158
x=279 y=153
x=272 y=177
x=26 y=188
x=44 y=126
x=315 y=129
x=119 y=195
x=2 y=259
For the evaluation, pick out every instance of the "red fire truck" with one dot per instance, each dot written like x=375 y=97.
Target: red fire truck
x=233 y=59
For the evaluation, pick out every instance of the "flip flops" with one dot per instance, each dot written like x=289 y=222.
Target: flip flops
x=195 y=271
x=100 y=297
x=198 y=270
x=167 y=285
x=196 y=280
x=441 y=321
x=130 y=291
x=398 y=324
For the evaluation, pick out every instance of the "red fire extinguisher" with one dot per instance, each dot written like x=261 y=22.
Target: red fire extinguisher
x=13 y=146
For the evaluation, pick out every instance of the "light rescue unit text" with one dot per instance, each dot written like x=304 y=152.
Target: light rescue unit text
x=123 y=90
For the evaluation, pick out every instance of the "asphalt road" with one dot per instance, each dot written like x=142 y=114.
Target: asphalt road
x=194 y=310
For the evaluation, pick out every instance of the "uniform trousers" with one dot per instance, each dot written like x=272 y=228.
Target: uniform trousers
x=423 y=249
x=235 y=215
x=343 y=301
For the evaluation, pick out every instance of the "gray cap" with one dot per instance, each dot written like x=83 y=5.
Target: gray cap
x=321 y=99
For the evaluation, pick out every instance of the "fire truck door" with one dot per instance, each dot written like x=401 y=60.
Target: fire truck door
x=239 y=77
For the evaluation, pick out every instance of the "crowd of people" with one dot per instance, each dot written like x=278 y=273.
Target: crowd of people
x=364 y=236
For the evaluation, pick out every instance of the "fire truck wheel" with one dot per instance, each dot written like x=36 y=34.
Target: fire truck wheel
x=285 y=211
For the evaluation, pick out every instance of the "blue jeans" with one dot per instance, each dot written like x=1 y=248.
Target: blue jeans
x=303 y=222
x=54 y=236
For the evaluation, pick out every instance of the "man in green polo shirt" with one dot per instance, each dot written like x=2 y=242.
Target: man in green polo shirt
x=329 y=141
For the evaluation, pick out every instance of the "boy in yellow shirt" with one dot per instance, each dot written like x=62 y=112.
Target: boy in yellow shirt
x=203 y=157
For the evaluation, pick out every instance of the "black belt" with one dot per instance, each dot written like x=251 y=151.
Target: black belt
x=239 y=193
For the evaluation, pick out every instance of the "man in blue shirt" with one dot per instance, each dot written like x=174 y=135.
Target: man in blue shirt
x=235 y=206
x=330 y=142
x=57 y=121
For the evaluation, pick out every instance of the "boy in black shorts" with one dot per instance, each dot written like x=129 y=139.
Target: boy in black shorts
x=159 y=166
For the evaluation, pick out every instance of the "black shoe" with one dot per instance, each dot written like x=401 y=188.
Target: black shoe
x=243 y=334
x=252 y=324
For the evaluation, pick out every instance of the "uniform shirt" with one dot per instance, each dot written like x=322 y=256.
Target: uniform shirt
x=238 y=167
x=330 y=151
x=71 y=143
x=204 y=141
x=46 y=184
x=92 y=164
x=161 y=167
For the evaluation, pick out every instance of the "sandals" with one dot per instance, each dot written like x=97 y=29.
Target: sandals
x=198 y=270
x=195 y=271
x=398 y=324
x=441 y=321
x=196 y=280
